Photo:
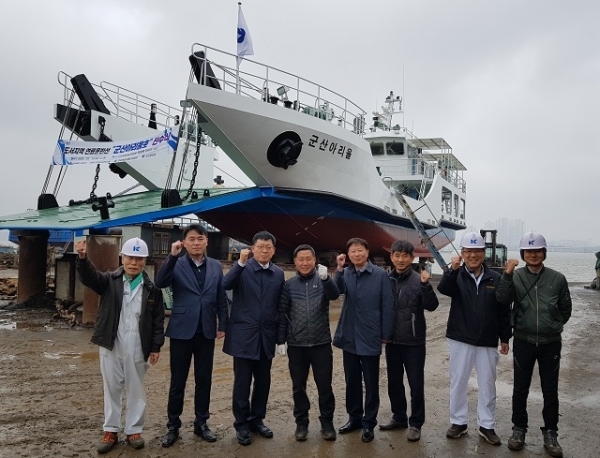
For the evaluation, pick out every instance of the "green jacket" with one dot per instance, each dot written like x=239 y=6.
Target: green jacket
x=542 y=304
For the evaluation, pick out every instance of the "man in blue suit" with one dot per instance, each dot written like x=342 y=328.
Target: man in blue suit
x=252 y=332
x=198 y=299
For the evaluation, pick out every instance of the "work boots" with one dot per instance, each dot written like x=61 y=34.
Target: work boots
x=327 y=430
x=551 y=443
x=517 y=440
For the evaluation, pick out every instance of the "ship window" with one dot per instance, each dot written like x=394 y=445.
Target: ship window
x=376 y=149
x=462 y=208
x=395 y=148
x=455 y=205
x=446 y=200
x=161 y=243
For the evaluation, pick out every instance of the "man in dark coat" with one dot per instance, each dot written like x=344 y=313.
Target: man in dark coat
x=198 y=299
x=406 y=351
x=252 y=333
x=366 y=321
x=129 y=332
x=304 y=325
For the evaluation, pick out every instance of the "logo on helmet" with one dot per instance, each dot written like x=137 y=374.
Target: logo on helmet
x=136 y=249
x=531 y=242
x=473 y=241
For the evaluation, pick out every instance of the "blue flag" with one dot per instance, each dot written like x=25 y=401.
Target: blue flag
x=244 y=42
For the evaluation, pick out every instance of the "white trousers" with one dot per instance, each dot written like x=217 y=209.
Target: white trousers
x=123 y=370
x=462 y=359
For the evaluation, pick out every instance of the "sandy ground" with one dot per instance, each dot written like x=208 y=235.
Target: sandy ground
x=51 y=399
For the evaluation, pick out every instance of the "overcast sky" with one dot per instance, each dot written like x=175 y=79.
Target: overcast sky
x=512 y=85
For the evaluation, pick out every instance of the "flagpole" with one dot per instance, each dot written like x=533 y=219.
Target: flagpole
x=237 y=60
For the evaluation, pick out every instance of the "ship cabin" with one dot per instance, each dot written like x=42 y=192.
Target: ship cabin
x=414 y=166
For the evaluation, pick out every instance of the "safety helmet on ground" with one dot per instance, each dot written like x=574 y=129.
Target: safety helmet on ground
x=533 y=241
x=472 y=240
x=135 y=247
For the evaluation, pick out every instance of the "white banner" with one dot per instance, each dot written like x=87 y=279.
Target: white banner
x=81 y=152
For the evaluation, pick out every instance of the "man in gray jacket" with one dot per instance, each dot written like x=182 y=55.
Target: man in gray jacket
x=304 y=325
x=542 y=305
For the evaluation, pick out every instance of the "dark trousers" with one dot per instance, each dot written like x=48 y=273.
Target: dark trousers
x=301 y=359
x=409 y=358
x=181 y=352
x=357 y=368
x=548 y=358
x=248 y=410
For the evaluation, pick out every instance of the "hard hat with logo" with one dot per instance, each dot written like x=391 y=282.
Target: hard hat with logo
x=135 y=247
x=533 y=241
x=472 y=240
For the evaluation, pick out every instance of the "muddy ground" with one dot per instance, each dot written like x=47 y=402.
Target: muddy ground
x=51 y=398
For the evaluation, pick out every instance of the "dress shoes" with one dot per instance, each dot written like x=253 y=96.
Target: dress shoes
x=205 y=433
x=349 y=427
x=393 y=424
x=367 y=435
x=243 y=437
x=262 y=430
x=170 y=437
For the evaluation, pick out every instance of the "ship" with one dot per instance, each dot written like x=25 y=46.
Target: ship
x=322 y=170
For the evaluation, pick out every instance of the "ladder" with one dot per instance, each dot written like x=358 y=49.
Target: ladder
x=425 y=237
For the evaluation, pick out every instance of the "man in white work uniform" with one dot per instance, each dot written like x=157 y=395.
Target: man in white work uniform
x=129 y=331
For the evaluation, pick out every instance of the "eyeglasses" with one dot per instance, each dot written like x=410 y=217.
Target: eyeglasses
x=263 y=247
x=471 y=252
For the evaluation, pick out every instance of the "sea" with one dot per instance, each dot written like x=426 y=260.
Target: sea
x=576 y=267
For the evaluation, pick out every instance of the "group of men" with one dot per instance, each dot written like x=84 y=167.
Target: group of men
x=268 y=314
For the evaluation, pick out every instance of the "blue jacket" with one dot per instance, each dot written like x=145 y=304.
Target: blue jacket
x=254 y=317
x=367 y=316
x=476 y=317
x=189 y=302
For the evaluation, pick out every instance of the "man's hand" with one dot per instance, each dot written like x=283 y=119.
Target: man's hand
x=176 y=248
x=220 y=334
x=80 y=248
x=341 y=260
x=425 y=276
x=153 y=359
x=281 y=350
x=504 y=347
x=323 y=275
x=455 y=262
x=511 y=264
x=244 y=255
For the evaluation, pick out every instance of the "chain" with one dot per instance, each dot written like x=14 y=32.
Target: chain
x=196 y=157
x=95 y=184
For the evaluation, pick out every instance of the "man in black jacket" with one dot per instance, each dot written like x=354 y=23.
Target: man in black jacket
x=304 y=325
x=406 y=351
x=129 y=331
x=476 y=322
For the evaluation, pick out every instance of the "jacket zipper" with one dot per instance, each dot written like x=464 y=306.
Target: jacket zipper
x=537 y=317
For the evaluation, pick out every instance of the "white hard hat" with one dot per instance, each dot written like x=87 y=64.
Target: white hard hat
x=135 y=247
x=533 y=241
x=472 y=240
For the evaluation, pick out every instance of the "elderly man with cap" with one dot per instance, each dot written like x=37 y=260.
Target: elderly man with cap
x=476 y=322
x=542 y=306
x=129 y=332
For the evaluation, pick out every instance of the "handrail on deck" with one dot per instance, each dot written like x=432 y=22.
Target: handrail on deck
x=273 y=85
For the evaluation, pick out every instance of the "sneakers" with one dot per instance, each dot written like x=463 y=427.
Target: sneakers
x=108 y=442
x=517 y=440
x=413 y=434
x=551 y=443
x=455 y=431
x=489 y=435
x=301 y=433
x=327 y=430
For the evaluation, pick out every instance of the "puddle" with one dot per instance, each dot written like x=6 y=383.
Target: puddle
x=7 y=357
x=8 y=325
x=63 y=354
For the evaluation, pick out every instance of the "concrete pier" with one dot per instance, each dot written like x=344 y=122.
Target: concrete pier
x=33 y=252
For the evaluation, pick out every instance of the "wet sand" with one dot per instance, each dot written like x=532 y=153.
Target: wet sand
x=51 y=398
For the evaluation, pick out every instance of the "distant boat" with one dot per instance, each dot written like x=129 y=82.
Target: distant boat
x=321 y=175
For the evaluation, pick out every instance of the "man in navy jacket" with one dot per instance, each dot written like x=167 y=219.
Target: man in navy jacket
x=198 y=299
x=366 y=321
x=252 y=332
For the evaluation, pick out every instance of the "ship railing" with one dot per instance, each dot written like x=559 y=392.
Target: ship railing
x=272 y=85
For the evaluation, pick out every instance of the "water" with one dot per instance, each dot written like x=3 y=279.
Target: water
x=576 y=267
